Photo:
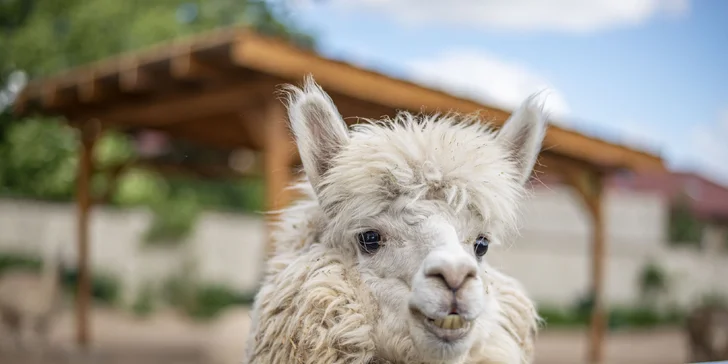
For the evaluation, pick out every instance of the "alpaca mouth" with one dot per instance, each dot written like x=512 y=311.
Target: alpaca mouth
x=450 y=322
x=450 y=328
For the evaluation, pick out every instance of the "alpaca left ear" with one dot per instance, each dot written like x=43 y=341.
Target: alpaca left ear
x=318 y=128
x=522 y=135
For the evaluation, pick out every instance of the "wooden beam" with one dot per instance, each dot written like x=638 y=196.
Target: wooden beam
x=187 y=66
x=94 y=90
x=134 y=80
x=55 y=97
x=352 y=110
x=89 y=134
x=219 y=131
x=187 y=107
x=553 y=163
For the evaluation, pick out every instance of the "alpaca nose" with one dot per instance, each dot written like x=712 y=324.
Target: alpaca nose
x=453 y=270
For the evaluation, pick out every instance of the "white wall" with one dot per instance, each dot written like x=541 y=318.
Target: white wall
x=551 y=258
x=227 y=248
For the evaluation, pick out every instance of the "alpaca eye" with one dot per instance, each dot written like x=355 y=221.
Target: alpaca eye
x=369 y=241
x=481 y=246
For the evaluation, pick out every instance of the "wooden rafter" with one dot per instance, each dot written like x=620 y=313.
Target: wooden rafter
x=135 y=80
x=183 y=107
x=188 y=66
x=94 y=89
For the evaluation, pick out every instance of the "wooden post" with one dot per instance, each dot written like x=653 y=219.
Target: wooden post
x=89 y=134
x=589 y=184
x=598 y=266
x=277 y=156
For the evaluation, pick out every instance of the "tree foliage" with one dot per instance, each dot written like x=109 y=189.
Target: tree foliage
x=54 y=35
x=685 y=228
x=653 y=282
x=38 y=155
x=39 y=160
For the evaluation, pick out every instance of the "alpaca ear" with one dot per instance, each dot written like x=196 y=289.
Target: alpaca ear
x=522 y=134
x=319 y=130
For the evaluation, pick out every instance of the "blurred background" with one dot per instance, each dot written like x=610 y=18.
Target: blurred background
x=176 y=238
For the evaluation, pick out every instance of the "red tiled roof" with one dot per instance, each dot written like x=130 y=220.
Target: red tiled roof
x=706 y=199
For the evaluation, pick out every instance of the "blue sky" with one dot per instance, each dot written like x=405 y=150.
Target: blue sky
x=649 y=73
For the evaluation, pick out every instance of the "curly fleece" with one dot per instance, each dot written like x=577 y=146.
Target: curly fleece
x=313 y=308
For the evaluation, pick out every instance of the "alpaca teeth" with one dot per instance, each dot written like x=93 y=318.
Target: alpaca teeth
x=450 y=322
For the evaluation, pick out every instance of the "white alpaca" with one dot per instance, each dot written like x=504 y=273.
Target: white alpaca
x=383 y=261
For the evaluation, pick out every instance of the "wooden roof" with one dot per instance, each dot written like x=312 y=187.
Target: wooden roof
x=208 y=89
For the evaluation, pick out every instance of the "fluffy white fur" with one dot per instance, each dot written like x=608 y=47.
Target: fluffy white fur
x=430 y=185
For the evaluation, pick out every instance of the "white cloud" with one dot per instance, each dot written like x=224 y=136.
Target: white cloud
x=578 y=16
x=709 y=148
x=486 y=78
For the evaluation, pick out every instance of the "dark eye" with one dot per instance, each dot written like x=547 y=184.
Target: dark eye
x=369 y=241
x=481 y=246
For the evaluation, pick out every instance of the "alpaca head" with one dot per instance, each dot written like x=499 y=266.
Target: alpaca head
x=414 y=203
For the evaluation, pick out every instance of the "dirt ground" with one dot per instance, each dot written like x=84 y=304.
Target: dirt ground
x=169 y=338
x=666 y=346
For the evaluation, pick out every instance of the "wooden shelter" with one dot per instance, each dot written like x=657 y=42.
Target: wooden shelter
x=219 y=89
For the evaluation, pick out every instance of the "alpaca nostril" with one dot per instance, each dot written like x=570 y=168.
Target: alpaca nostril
x=453 y=276
x=440 y=277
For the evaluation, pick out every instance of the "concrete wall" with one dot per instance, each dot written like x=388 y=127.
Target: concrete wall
x=225 y=248
x=551 y=258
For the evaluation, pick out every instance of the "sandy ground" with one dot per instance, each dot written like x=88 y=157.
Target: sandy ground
x=643 y=347
x=168 y=338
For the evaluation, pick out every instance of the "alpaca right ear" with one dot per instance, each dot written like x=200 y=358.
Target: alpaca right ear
x=522 y=135
x=319 y=130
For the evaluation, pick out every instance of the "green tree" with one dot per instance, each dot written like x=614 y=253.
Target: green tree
x=54 y=35
x=685 y=227
x=41 y=37
x=652 y=283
